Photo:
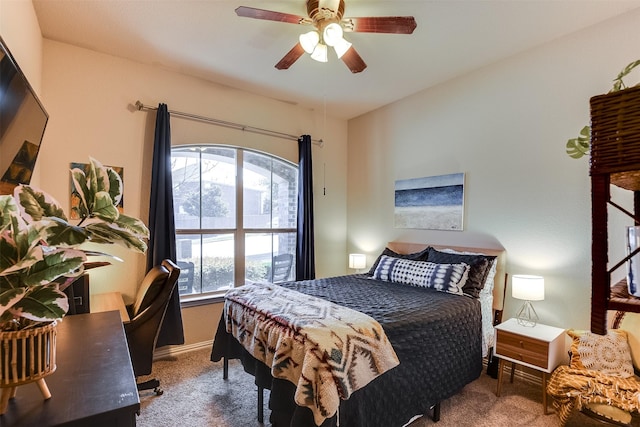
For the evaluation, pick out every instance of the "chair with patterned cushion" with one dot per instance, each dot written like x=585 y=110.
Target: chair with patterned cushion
x=629 y=322
x=601 y=380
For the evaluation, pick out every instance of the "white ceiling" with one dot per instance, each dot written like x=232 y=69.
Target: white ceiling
x=206 y=39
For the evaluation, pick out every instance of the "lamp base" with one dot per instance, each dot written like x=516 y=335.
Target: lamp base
x=527 y=315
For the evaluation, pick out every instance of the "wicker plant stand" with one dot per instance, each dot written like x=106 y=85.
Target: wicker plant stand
x=26 y=356
x=615 y=160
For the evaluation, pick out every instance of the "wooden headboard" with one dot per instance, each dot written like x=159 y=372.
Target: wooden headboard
x=500 y=278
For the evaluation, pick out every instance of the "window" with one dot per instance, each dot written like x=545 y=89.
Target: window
x=235 y=213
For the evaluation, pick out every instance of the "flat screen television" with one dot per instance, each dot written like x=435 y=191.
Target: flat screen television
x=22 y=123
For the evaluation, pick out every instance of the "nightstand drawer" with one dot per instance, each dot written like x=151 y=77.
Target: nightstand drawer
x=524 y=349
x=538 y=347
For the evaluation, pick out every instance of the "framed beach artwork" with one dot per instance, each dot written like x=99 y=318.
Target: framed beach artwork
x=433 y=202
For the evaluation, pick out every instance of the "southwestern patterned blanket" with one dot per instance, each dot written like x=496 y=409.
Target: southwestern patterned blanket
x=436 y=336
x=327 y=350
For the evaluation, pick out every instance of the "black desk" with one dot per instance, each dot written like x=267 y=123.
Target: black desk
x=93 y=384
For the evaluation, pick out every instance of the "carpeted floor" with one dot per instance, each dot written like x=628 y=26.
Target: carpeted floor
x=195 y=395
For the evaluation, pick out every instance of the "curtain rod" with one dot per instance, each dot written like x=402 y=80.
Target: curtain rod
x=140 y=106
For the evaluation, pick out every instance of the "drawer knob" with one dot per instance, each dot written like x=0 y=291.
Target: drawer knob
x=521 y=343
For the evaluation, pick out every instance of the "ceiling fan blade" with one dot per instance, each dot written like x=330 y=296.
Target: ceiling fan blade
x=291 y=57
x=269 y=15
x=380 y=24
x=353 y=60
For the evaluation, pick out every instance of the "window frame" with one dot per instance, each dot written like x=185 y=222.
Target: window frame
x=239 y=232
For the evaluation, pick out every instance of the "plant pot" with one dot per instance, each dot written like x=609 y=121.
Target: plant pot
x=26 y=356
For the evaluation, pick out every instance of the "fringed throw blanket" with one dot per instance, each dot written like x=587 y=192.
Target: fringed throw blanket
x=328 y=351
x=572 y=389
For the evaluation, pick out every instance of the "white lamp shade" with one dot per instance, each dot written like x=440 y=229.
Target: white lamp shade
x=527 y=287
x=320 y=53
x=309 y=41
x=357 y=261
x=341 y=47
x=332 y=34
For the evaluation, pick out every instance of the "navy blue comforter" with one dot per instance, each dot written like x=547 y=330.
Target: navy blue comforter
x=437 y=337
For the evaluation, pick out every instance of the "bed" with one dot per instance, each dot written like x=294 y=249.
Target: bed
x=439 y=339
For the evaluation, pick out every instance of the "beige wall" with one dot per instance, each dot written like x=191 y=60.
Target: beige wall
x=505 y=126
x=20 y=30
x=89 y=97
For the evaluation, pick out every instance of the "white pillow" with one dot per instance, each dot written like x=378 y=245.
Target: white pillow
x=609 y=354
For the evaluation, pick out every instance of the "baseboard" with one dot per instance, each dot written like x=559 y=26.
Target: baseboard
x=174 y=350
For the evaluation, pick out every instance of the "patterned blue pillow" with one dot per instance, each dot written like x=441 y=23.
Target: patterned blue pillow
x=442 y=277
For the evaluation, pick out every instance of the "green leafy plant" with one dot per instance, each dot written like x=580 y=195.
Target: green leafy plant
x=39 y=247
x=580 y=146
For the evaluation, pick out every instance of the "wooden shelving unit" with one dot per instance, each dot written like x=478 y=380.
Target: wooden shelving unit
x=615 y=160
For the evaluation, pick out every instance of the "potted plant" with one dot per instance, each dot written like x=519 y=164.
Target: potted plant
x=41 y=254
x=580 y=146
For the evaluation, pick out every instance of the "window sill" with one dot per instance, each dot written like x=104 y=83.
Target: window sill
x=197 y=300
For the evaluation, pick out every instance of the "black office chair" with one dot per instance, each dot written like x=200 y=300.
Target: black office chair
x=147 y=314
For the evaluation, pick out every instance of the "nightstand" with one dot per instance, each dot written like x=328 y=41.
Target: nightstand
x=540 y=347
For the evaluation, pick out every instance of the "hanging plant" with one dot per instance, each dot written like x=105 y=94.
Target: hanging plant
x=580 y=146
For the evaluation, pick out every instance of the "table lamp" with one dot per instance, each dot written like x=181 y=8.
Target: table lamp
x=357 y=261
x=528 y=288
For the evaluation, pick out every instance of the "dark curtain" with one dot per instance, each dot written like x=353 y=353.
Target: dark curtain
x=162 y=243
x=305 y=256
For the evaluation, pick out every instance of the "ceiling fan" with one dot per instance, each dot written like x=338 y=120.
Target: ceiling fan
x=327 y=18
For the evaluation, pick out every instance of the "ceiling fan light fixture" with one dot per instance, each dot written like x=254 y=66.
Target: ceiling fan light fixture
x=328 y=26
x=309 y=41
x=320 y=53
x=341 y=47
x=332 y=34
